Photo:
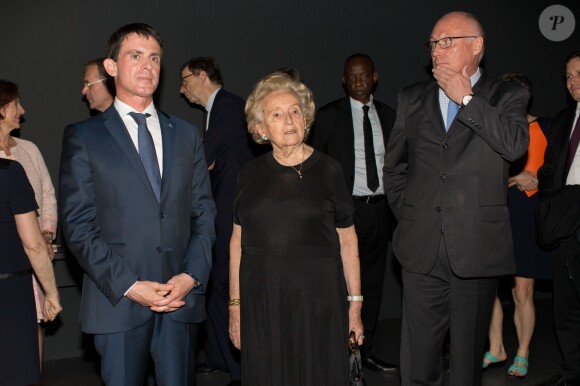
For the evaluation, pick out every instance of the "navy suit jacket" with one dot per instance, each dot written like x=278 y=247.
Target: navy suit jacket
x=118 y=231
x=455 y=181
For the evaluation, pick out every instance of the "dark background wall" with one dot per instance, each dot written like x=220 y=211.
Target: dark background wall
x=45 y=44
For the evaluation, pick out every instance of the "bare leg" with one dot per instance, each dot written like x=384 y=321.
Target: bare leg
x=496 y=347
x=525 y=313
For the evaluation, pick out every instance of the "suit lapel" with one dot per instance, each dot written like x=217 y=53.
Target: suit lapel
x=432 y=107
x=561 y=143
x=380 y=113
x=168 y=137
x=345 y=124
x=118 y=131
x=216 y=102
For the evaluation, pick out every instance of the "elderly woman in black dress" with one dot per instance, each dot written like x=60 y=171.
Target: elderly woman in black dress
x=23 y=250
x=294 y=268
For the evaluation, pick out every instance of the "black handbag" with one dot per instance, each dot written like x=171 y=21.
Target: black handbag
x=356 y=372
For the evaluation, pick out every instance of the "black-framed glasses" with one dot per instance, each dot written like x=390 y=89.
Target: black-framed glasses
x=90 y=84
x=445 y=42
x=185 y=77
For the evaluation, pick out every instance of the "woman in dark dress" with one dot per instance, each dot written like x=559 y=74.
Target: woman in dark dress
x=294 y=268
x=532 y=262
x=23 y=250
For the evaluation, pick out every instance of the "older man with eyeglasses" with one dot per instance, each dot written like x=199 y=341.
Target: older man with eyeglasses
x=446 y=173
x=98 y=86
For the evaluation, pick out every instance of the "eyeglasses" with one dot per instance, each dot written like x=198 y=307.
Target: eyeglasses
x=445 y=42
x=89 y=85
x=183 y=82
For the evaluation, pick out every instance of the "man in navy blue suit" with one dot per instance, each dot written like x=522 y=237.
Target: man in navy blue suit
x=227 y=146
x=137 y=213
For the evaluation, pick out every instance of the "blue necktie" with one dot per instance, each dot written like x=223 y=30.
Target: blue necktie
x=452 y=110
x=147 y=152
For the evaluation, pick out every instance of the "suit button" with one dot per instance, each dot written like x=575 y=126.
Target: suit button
x=161 y=215
x=443 y=176
x=438 y=209
x=159 y=249
x=445 y=146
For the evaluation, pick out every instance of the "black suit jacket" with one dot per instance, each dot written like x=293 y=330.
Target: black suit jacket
x=228 y=144
x=551 y=174
x=455 y=181
x=333 y=133
x=558 y=211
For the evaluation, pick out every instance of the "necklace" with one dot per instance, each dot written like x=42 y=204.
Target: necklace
x=299 y=170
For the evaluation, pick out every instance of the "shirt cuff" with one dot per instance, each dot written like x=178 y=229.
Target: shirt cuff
x=129 y=289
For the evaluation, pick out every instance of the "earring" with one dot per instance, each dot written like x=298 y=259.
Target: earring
x=264 y=138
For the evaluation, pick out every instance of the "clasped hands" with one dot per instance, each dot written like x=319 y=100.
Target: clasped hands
x=161 y=297
x=454 y=84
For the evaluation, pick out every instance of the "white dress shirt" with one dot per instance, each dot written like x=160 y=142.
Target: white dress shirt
x=152 y=124
x=574 y=174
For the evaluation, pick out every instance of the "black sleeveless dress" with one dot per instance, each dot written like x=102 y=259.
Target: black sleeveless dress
x=294 y=311
x=19 y=364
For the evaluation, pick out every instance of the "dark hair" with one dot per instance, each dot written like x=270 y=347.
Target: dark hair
x=573 y=55
x=292 y=72
x=519 y=79
x=109 y=82
x=359 y=55
x=8 y=93
x=207 y=64
x=141 y=29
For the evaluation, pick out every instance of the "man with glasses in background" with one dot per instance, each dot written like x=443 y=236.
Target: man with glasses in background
x=227 y=147
x=446 y=173
x=98 y=87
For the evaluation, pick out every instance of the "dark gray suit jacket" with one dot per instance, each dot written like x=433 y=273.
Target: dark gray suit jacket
x=118 y=231
x=455 y=181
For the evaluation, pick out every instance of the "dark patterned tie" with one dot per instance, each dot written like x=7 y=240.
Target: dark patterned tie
x=452 y=110
x=147 y=152
x=371 y=164
x=572 y=147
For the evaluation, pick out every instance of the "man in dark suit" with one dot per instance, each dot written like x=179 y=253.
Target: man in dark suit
x=339 y=131
x=138 y=215
x=559 y=177
x=227 y=148
x=446 y=174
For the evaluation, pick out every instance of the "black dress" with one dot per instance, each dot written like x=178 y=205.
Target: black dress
x=294 y=311
x=19 y=363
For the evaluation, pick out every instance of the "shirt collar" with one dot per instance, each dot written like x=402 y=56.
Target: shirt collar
x=359 y=105
x=210 y=100
x=475 y=77
x=124 y=109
